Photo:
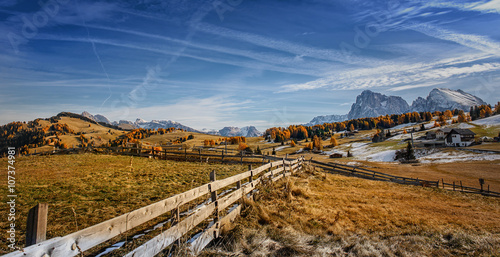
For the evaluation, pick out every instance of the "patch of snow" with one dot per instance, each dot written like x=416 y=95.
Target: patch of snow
x=300 y=150
x=400 y=137
x=335 y=151
x=402 y=126
x=464 y=126
x=353 y=164
x=490 y=121
x=447 y=157
x=112 y=248
x=429 y=125
x=385 y=156
x=281 y=147
x=359 y=145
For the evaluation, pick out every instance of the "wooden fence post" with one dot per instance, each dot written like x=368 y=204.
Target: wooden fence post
x=199 y=152
x=442 y=180
x=453 y=185
x=250 y=179
x=461 y=185
x=284 y=167
x=238 y=186
x=241 y=159
x=36 y=227
x=222 y=156
x=185 y=154
x=271 y=170
x=213 y=195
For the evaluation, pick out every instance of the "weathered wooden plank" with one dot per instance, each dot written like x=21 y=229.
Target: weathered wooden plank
x=214 y=231
x=36 y=226
x=163 y=240
x=89 y=237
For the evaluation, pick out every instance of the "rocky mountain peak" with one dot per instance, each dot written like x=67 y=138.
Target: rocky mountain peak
x=441 y=99
x=371 y=104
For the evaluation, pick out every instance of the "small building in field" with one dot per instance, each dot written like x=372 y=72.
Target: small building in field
x=429 y=135
x=336 y=155
x=459 y=137
x=442 y=133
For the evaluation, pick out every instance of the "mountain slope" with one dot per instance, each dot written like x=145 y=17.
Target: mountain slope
x=327 y=119
x=96 y=118
x=248 y=131
x=371 y=104
x=441 y=99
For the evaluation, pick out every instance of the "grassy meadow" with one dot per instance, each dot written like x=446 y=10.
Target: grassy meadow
x=86 y=189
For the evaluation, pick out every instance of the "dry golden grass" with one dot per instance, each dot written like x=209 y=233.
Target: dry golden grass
x=331 y=215
x=97 y=187
x=487 y=146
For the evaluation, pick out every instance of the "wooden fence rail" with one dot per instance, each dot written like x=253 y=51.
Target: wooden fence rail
x=375 y=175
x=83 y=240
x=172 y=154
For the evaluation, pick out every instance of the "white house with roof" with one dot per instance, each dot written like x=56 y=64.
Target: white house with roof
x=459 y=137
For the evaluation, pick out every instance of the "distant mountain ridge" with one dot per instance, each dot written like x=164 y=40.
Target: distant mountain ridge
x=156 y=124
x=248 y=131
x=327 y=119
x=372 y=104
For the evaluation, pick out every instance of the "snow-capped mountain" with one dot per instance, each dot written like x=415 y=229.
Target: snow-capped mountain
x=327 y=119
x=96 y=118
x=371 y=104
x=248 y=131
x=441 y=99
x=124 y=124
x=156 y=124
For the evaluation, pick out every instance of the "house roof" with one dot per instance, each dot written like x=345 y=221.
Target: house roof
x=463 y=132
x=445 y=130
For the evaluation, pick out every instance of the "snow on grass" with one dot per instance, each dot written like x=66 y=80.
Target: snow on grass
x=464 y=126
x=400 y=137
x=281 y=147
x=429 y=125
x=365 y=152
x=384 y=156
x=455 y=156
x=490 y=121
x=402 y=126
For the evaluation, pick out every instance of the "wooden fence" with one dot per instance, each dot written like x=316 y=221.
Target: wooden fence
x=375 y=175
x=83 y=240
x=176 y=153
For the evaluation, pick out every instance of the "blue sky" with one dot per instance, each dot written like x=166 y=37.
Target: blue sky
x=210 y=64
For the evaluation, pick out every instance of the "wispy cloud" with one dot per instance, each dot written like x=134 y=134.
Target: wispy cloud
x=397 y=76
x=271 y=58
x=284 y=46
x=168 y=51
x=491 y=6
x=481 y=43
